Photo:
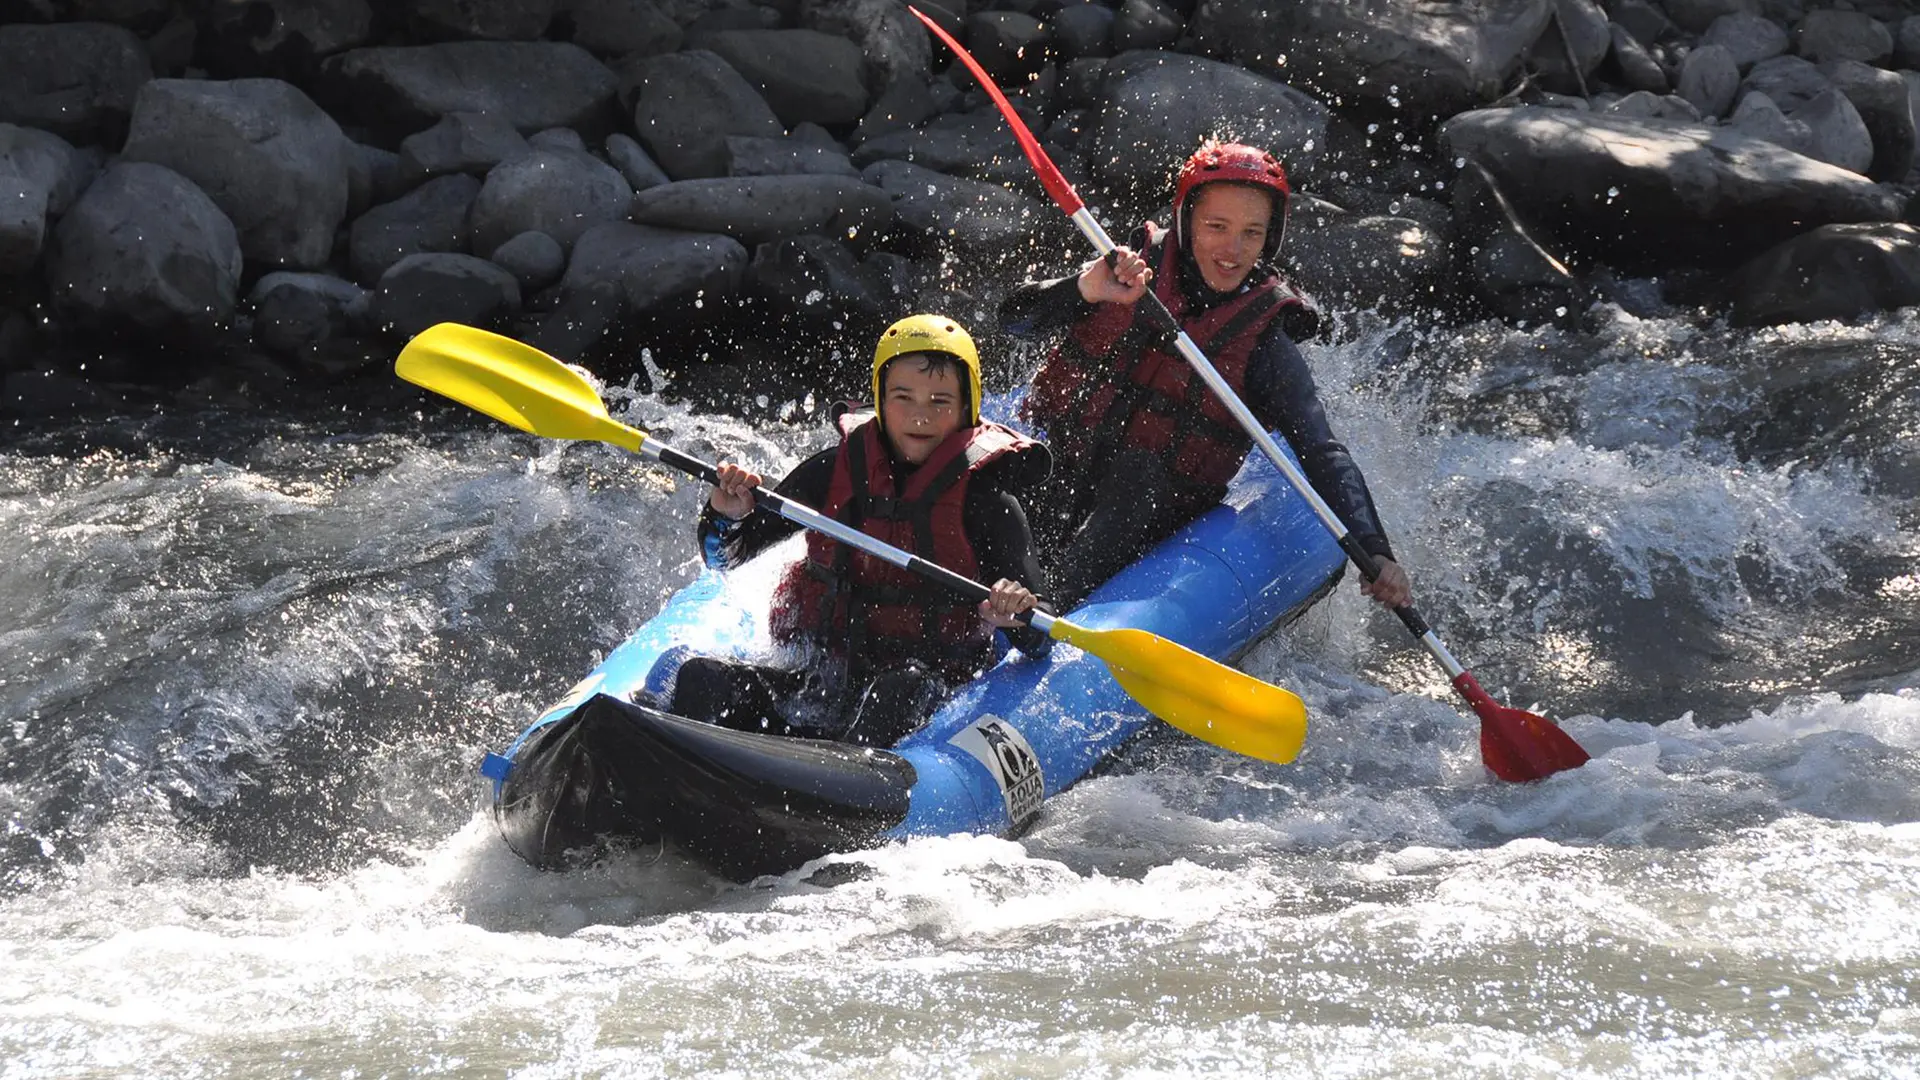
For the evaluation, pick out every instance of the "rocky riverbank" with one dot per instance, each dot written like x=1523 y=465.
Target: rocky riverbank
x=207 y=199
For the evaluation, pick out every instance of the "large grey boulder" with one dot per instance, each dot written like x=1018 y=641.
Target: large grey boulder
x=1758 y=116
x=1835 y=132
x=892 y=40
x=1788 y=81
x=962 y=214
x=430 y=218
x=758 y=209
x=1637 y=68
x=493 y=20
x=1574 y=43
x=23 y=222
x=803 y=74
x=1007 y=44
x=1160 y=106
x=685 y=106
x=1657 y=192
x=1433 y=59
x=562 y=193
x=77 y=80
x=817 y=278
x=645 y=266
x=465 y=142
x=749 y=155
x=532 y=85
x=1698 y=16
x=1709 y=79
x=1833 y=272
x=1880 y=98
x=1083 y=30
x=535 y=260
x=279 y=38
x=294 y=311
x=956 y=143
x=45 y=160
x=1826 y=35
x=641 y=171
x=621 y=27
x=262 y=150
x=1377 y=261
x=144 y=246
x=421 y=290
x=1748 y=38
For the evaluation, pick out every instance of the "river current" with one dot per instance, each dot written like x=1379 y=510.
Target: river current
x=249 y=663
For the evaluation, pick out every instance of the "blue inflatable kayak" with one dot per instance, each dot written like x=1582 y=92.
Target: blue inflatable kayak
x=603 y=764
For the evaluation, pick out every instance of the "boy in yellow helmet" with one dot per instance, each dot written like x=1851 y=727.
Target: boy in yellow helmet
x=924 y=473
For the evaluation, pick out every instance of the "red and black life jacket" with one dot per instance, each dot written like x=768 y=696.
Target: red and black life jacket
x=873 y=613
x=1116 y=379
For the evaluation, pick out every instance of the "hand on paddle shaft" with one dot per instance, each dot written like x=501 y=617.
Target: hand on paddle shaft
x=518 y=384
x=1514 y=744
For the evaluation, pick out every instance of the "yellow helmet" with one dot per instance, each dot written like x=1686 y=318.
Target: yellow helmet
x=930 y=333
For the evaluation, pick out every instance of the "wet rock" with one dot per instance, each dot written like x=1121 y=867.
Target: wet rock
x=562 y=193
x=815 y=277
x=431 y=218
x=1643 y=105
x=1443 y=57
x=1146 y=24
x=434 y=287
x=1510 y=270
x=262 y=150
x=752 y=156
x=1636 y=68
x=620 y=28
x=1836 y=133
x=686 y=105
x=45 y=160
x=1826 y=35
x=1570 y=49
x=1709 y=79
x=1881 y=99
x=462 y=142
x=892 y=40
x=759 y=209
x=77 y=80
x=374 y=176
x=1654 y=192
x=1083 y=30
x=1007 y=44
x=1374 y=261
x=494 y=20
x=905 y=102
x=954 y=211
x=640 y=170
x=1758 y=116
x=1906 y=43
x=804 y=75
x=535 y=260
x=1647 y=23
x=292 y=311
x=558 y=139
x=23 y=222
x=1833 y=272
x=404 y=88
x=144 y=246
x=1699 y=15
x=1788 y=80
x=281 y=39
x=1748 y=38
x=1159 y=107
x=958 y=144
x=648 y=266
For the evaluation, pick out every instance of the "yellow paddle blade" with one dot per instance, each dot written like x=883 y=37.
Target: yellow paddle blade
x=512 y=382
x=1202 y=697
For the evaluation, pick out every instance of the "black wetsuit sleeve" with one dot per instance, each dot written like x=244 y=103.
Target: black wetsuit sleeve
x=996 y=526
x=725 y=543
x=1037 y=307
x=1281 y=392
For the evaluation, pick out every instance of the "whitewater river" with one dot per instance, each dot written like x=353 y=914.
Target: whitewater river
x=248 y=665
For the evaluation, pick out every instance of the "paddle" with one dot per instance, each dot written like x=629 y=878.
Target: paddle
x=1516 y=745
x=520 y=385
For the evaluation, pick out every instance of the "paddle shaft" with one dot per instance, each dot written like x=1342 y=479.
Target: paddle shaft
x=807 y=517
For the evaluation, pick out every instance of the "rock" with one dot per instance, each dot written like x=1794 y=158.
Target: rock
x=23 y=222
x=1146 y=24
x=1437 y=59
x=45 y=160
x=1654 y=193
x=142 y=16
x=462 y=142
x=1906 y=44
x=1748 y=38
x=1643 y=105
x=962 y=214
x=686 y=106
x=815 y=277
x=1826 y=35
x=1833 y=272
x=535 y=260
x=435 y=287
x=431 y=218
x=1758 y=116
x=292 y=311
x=620 y=27
x=634 y=164
x=1007 y=44
x=77 y=80
x=1709 y=78
x=721 y=18
x=373 y=177
x=1511 y=272
x=273 y=162
x=144 y=247
x=1376 y=261
x=759 y=209
x=1880 y=97
x=959 y=144
x=751 y=156
x=1083 y=30
x=1698 y=15
x=1160 y=107
x=649 y=266
x=1637 y=68
x=494 y=20
x=892 y=40
x=562 y=193
x=803 y=74
x=1790 y=81
x=401 y=89
x=280 y=39
x=1647 y=23
x=905 y=102
x=1837 y=135
x=558 y=139
x=1572 y=46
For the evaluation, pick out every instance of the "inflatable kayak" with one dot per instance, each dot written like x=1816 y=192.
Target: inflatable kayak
x=602 y=764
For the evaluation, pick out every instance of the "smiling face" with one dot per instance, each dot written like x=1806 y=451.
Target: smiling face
x=921 y=404
x=1229 y=226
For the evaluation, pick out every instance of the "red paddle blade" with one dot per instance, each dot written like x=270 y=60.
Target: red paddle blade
x=1516 y=744
x=1050 y=178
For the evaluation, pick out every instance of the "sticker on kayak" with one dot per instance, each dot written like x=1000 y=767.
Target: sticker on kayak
x=1010 y=761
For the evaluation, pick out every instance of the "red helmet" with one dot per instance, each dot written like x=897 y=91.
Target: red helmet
x=1237 y=163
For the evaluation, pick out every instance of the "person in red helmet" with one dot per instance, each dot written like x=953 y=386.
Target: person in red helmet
x=1141 y=445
